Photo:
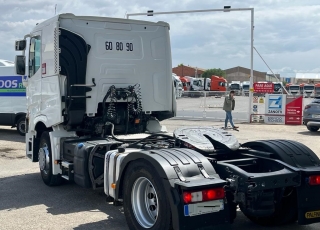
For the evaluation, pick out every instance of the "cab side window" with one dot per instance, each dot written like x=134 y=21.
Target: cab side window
x=34 y=55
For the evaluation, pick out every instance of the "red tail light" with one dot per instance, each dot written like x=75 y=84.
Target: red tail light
x=204 y=195
x=314 y=180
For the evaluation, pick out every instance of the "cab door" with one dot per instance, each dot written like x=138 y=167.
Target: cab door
x=34 y=77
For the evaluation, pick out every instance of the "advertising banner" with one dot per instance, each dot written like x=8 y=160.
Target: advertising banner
x=263 y=87
x=275 y=105
x=11 y=86
x=293 y=110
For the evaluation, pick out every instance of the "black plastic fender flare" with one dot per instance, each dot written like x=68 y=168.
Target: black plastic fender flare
x=166 y=162
x=291 y=152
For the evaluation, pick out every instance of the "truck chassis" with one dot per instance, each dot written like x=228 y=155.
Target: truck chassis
x=163 y=181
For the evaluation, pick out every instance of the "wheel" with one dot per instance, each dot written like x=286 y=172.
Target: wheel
x=312 y=128
x=21 y=126
x=285 y=211
x=45 y=161
x=145 y=204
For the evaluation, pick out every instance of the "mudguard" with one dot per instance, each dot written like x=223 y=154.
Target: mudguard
x=180 y=169
x=304 y=161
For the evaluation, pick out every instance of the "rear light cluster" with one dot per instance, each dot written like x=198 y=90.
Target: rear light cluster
x=314 y=180
x=307 y=107
x=204 y=195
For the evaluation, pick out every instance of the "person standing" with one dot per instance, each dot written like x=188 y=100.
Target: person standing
x=228 y=106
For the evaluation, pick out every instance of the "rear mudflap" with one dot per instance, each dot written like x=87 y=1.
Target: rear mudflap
x=308 y=198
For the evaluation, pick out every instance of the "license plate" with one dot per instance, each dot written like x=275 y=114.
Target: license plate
x=315 y=116
x=203 y=208
x=312 y=215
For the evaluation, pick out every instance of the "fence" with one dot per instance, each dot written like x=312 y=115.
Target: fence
x=207 y=105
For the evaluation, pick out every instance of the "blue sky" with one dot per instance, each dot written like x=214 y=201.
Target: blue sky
x=287 y=32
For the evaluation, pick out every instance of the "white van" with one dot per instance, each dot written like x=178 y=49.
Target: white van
x=13 y=105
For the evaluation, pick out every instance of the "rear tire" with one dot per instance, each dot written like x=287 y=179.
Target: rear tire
x=312 y=128
x=21 y=126
x=45 y=161
x=143 y=188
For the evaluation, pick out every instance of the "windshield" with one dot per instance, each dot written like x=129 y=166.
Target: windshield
x=294 y=87
x=277 y=86
x=245 y=87
x=235 y=86
x=317 y=89
x=197 y=82
x=309 y=87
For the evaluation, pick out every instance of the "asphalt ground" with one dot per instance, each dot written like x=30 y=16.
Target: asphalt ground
x=26 y=203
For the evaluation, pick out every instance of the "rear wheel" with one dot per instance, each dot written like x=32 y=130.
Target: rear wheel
x=145 y=203
x=312 y=128
x=21 y=126
x=45 y=161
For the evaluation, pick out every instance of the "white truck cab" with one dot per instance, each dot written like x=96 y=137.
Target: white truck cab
x=12 y=97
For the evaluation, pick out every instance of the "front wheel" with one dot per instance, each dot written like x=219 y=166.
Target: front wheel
x=312 y=128
x=145 y=203
x=45 y=161
x=21 y=126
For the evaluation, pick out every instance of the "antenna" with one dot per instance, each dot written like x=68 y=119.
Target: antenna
x=55 y=9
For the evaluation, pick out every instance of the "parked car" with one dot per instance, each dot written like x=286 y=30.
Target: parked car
x=311 y=115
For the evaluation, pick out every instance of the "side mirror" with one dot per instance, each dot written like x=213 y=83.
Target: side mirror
x=21 y=45
x=20 y=65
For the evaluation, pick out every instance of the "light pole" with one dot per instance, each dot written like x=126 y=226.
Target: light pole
x=225 y=9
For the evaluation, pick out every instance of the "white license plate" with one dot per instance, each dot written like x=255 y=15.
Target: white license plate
x=203 y=208
x=315 y=116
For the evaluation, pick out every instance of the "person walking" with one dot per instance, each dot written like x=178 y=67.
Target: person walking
x=228 y=106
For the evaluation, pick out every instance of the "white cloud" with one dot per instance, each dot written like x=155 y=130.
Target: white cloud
x=286 y=32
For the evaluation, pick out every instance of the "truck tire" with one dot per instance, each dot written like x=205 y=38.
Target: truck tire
x=312 y=128
x=45 y=161
x=295 y=154
x=21 y=126
x=143 y=188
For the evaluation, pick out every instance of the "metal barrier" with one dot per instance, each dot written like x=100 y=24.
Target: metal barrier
x=208 y=105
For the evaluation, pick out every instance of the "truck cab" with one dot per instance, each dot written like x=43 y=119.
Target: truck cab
x=294 y=89
x=245 y=88
x=236 y=87
x=178 y=85
x=317 y=90
x=308 y=90
x=278 y=87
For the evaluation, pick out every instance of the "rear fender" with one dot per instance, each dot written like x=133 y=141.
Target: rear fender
x=179 y=169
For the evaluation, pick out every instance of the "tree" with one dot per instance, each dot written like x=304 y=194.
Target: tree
x=218 y=72
x=180 y=64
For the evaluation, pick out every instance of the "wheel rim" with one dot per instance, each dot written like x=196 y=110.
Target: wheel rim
x=22 y=127
x=44 y=159
x=145 y=203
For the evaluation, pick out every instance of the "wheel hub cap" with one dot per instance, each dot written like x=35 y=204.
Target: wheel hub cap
x=145 y=203
x=44 y=159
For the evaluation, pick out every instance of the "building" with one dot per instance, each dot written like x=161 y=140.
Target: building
x=190 y=71
x=243 y=74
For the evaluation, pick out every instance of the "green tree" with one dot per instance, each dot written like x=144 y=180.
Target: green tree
x=180 y=64
x=218 y=72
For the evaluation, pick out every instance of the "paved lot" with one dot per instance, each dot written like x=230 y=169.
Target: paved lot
x=26 y=203
x=211 y=108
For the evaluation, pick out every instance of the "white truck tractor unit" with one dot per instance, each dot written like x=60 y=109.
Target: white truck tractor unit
x=12 y=98
x=308 y=90
x=236 y=87
x=245 y=88
x=294 y=89
x=278 y=87
x=90 y=78
x=177 y=85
